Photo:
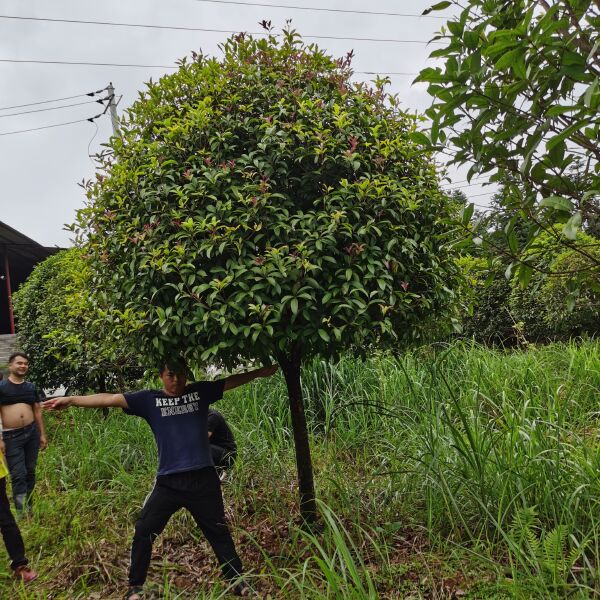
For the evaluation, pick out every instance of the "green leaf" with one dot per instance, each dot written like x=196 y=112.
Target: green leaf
x=557 y=203
x=294 y=306
x=420 y=138
x=591 y=96
x=430 y=75
x=512 y=242
x=471 y=39
x=555 y=111
x=557 y=139
x=467 y=213
x=324 y=335
x=514 y=59
x=525 y=272
x=455 y=27
x=557 y=154
x=438 y=6
x=571 y=226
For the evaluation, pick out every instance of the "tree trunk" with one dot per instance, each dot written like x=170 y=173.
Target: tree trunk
x=291 y=371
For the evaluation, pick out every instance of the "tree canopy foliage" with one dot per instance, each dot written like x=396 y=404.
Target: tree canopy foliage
x=517 y=98
x=550 y=308
x=262 y=206
x=65 y=332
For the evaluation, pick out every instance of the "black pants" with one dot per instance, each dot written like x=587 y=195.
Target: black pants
x=198 y=491
x=10 y=531
x=222 y=457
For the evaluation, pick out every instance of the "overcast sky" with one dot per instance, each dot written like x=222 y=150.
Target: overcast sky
x=39 y=170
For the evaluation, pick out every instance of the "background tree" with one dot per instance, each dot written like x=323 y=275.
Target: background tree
x=487 y=318
x=68 y=337
x=518 y=98
x=560 y=301
x=262 y=206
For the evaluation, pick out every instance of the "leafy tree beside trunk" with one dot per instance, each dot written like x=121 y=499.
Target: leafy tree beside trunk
x=71 y=337
x=518 y=98
x=262 y=207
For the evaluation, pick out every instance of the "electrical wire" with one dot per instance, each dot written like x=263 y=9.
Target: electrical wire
x=49 y=101
x=91 y=120
x=184 y=28
x=92 y=64
x=467 y=180
x=117 y=24
x=95 y=64
x=463 y=187
x=90 y=144
x=28 y=112
x=393 y=73
x=314 y=8
x=479 y=195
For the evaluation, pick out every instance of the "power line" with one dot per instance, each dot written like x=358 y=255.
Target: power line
x=359 y=39
x=28 y=112
x=467 y=180
x=96 y=64
x=403 y=73
x=92 y=64
x=479 y=195
x=117 y=24
x=184 y=28
x=462 y=187
x=314 y=8
x=90 y=119
x=55 y=99
x=472 y=195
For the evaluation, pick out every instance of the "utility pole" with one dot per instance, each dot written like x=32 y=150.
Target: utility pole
x=112 y=105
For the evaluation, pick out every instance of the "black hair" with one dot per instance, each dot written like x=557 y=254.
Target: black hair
x=15 y=354
x=177 y=365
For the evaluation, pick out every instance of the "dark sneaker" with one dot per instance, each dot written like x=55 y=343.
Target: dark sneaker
x=243 y=589
x=135 y=592
x=25 y=574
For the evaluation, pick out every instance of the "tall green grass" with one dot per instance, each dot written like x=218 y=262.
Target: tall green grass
x=494 y=452
x=452 y=458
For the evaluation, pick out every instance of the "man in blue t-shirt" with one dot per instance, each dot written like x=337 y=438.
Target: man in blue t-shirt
x=186 y=476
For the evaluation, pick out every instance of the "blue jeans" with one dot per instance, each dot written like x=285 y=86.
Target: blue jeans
x=22 y=447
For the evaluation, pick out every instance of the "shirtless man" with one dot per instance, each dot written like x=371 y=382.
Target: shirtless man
x=22 y=429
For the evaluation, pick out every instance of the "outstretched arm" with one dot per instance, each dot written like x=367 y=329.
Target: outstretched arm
x=234 y=381
x=91 y=401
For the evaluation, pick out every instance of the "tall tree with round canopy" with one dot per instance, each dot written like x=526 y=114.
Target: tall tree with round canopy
x=262 y=206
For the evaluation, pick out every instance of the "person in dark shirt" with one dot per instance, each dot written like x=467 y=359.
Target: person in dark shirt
x=22 y=429
x=222 y=442
x=186 y=476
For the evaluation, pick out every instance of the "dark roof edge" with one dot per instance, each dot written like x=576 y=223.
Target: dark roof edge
x=28 y=240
